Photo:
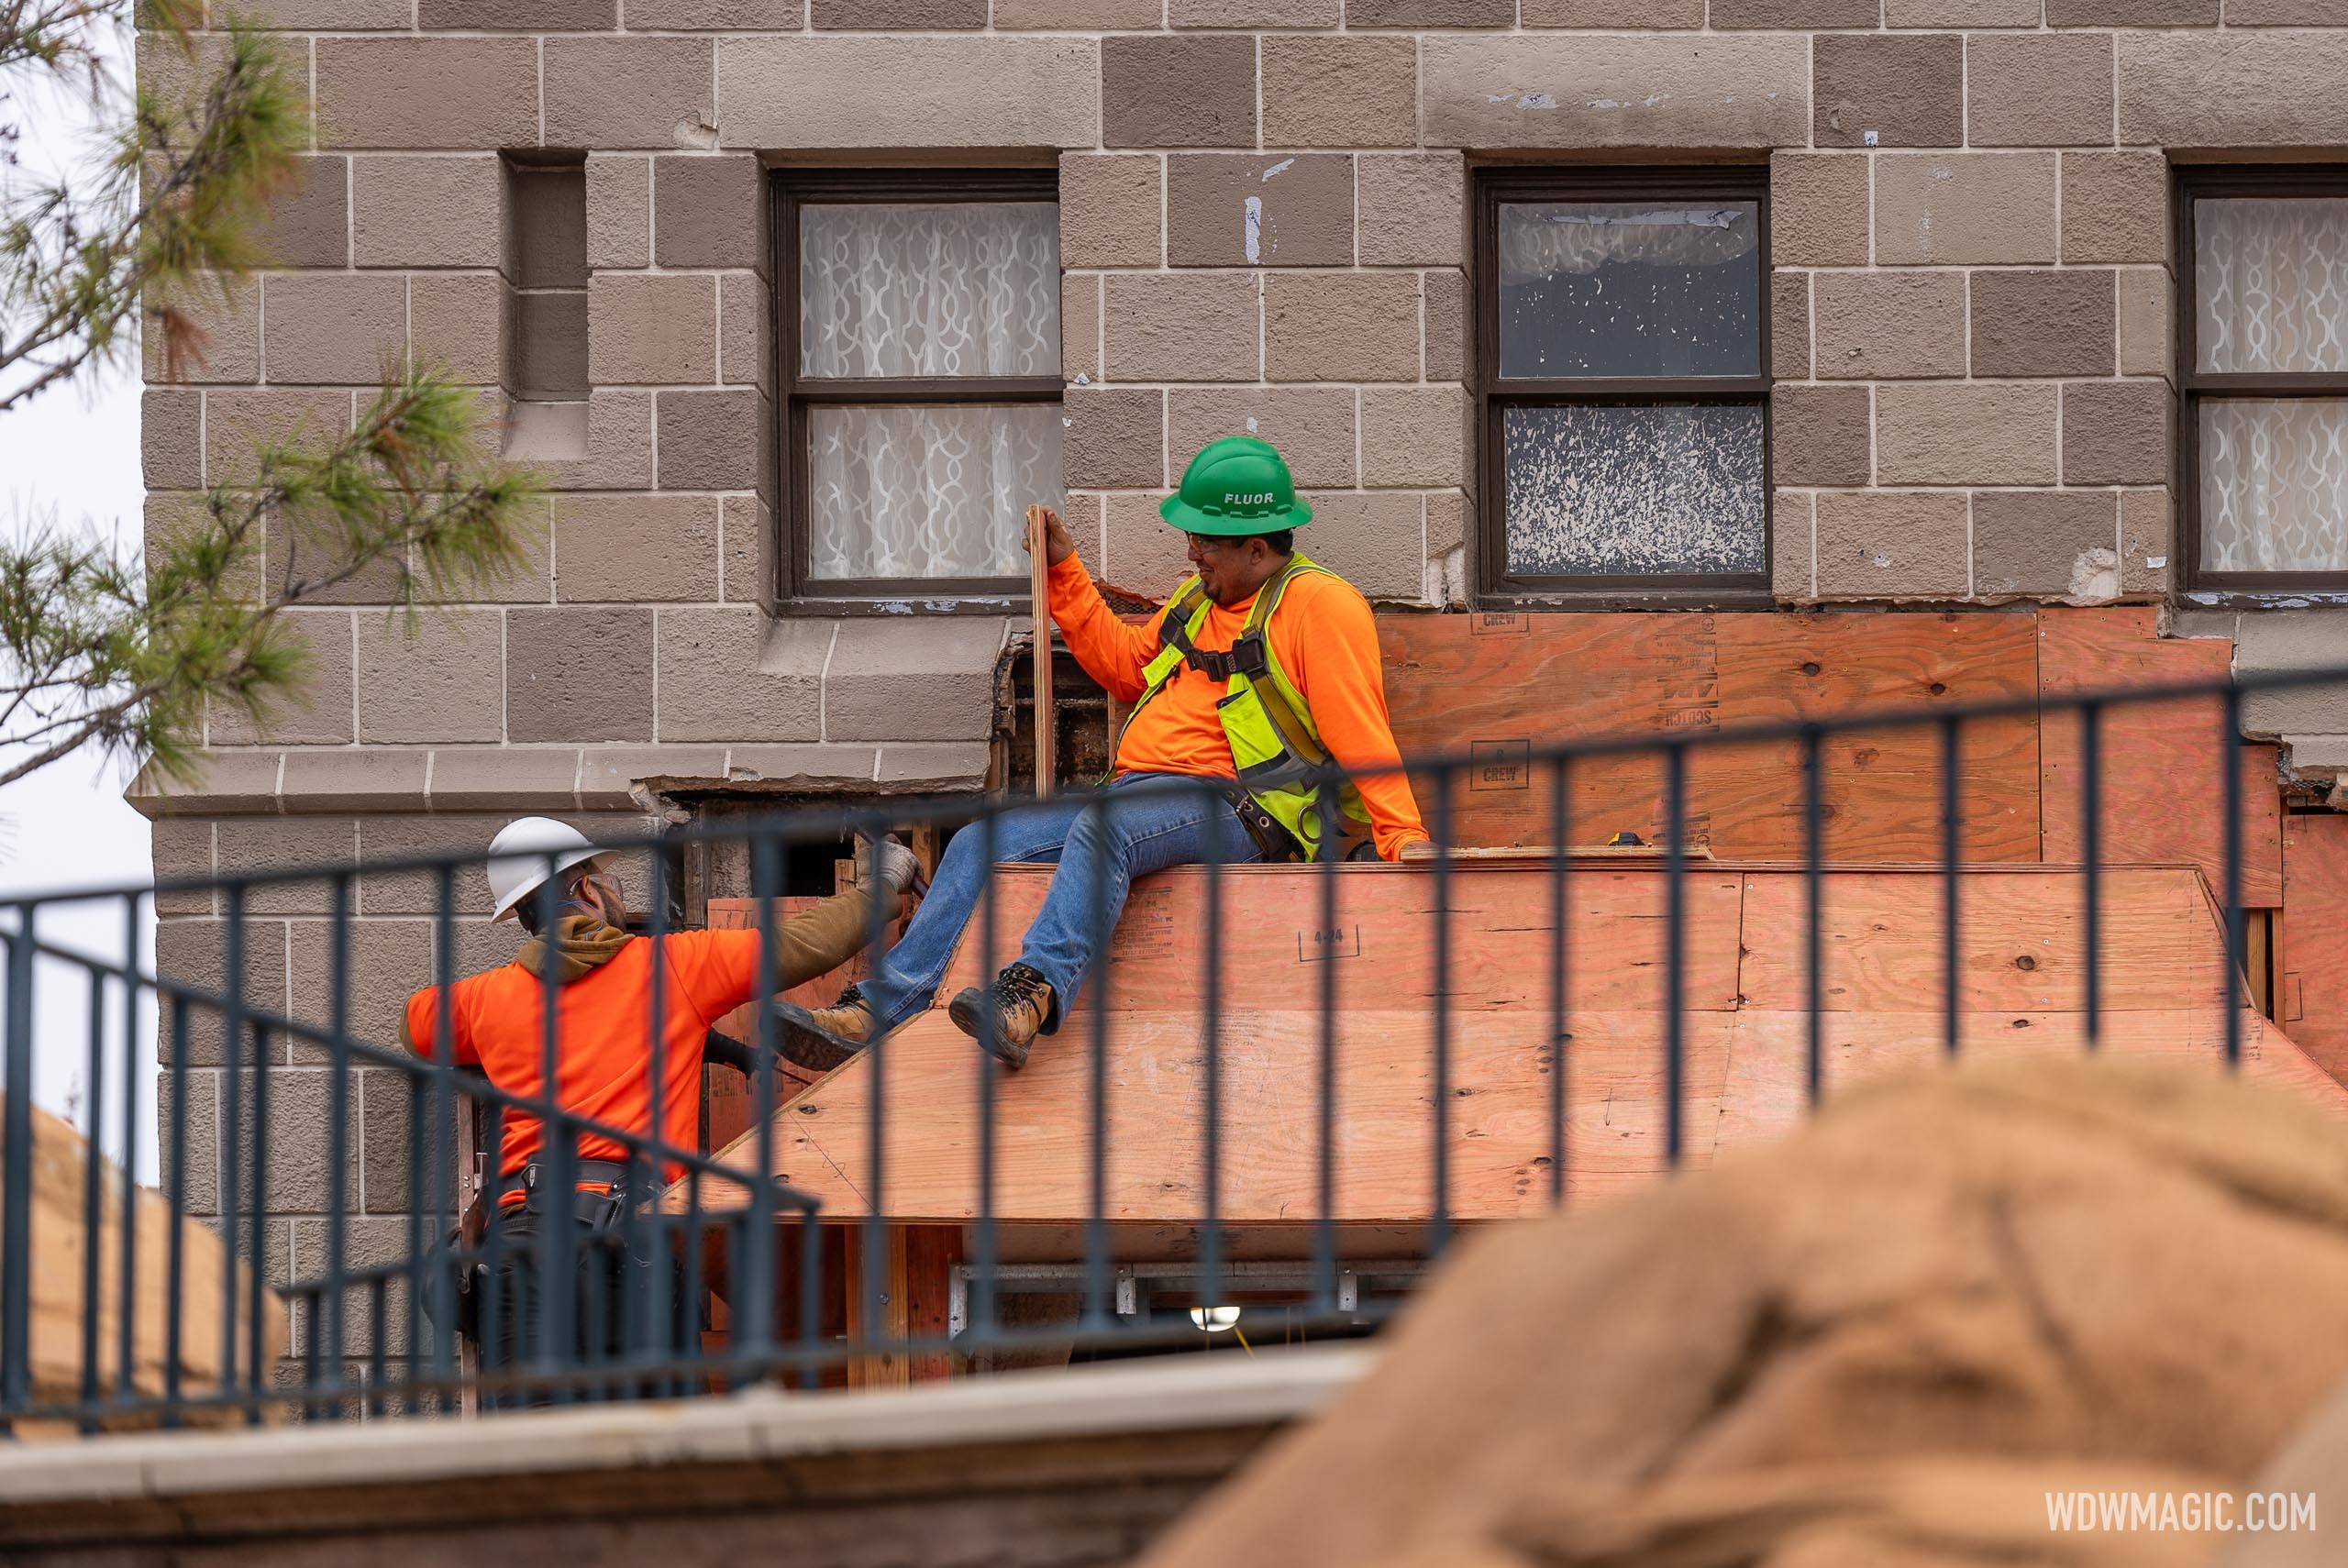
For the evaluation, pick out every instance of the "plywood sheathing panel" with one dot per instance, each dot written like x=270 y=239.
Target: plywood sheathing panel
x=2162 y=964
x=1882 y=787
x=1269 y=1168
x=1501 y=687
x=2163 y=797
x=1766 y=1092
x=1276 y=944
x=2314 y=938
x=2021 y=942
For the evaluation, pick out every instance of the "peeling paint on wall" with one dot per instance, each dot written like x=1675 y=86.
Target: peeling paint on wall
x=1252 y=227
x=2095 y=577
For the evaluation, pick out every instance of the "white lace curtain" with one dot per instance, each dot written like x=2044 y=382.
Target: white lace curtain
x=928 y=289
x=2275 y=484
x=2271 y=284
x=2271 y=295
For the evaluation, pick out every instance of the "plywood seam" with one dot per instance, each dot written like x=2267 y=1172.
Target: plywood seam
x=2038 y=726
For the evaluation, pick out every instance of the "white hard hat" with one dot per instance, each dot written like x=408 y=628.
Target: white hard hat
x=514 y=874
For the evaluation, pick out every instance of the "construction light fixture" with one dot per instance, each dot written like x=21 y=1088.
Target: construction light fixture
x=1215 y=1320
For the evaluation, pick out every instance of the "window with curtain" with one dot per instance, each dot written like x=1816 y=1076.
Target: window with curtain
x=921 y=370
x=2263 y=352
x=1622 y=374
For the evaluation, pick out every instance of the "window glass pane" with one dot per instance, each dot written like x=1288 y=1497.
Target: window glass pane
x=1630 y=288
x=927 y=492
x=2275 y=484
x=929 y=289
x=1646 y=489
x=2270 y=281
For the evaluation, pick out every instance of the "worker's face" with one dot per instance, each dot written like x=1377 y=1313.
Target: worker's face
x=1231 y=570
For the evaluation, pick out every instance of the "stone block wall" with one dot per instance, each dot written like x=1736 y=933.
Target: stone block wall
x=1264 y=227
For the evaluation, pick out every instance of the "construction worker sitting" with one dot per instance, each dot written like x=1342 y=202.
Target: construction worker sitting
x=1263 y=664
x=608 y=1057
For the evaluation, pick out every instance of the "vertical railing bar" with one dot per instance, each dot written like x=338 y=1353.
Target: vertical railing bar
x=258 y=1282
x=1329 y=813
x=93 y=1196
x=644 y=1238
x=982 y=1318
x=127 y=1319
x=1211 y=1110
x=1098 y=1300
x=2091 y=846
x=880 y=914
x=1813 y=857
x=750 y=1328
x=337 y=1121
x=495 y=1308
x=174 y=1277
x=1951 y=863
x=688 y=1328
x=594 y=1326
x=439 y=1135
x=1675 y=942
x=810 y=1296
x=419 y=1239
x=313 y=1407
x=558 y=1263
x=1561 y=919
x=1439 y=1225
x=2237 y=935
x=378 y=1306
x=17 y=1204
x=232 y=1030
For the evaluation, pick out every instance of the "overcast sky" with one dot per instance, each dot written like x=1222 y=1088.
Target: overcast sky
x=70 y=459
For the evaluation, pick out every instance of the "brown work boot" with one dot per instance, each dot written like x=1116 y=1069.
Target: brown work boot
x=848 y=1018
x=822 y=1039
x=1020 y=1001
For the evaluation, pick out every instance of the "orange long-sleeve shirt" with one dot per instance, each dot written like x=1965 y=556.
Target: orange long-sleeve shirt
x=1324 y=639
x=605 y=1031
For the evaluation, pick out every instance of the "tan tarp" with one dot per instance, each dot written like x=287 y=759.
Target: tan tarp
x=59 y=1240
x=1881 y=1343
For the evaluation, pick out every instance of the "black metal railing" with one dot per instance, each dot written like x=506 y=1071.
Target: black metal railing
x=166 y=1321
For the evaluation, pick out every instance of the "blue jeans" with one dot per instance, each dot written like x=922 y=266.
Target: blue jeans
x=1140 y=826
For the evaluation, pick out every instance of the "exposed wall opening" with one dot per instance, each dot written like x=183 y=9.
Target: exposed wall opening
x=546 y=305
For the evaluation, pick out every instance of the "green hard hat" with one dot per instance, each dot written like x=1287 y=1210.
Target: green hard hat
x=1235 y=487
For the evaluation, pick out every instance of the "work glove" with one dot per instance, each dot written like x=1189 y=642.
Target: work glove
x=900 y=868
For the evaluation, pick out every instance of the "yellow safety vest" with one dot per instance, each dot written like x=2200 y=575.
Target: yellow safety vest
x=1274 y=745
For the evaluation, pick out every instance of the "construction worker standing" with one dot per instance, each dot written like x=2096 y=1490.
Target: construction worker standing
x=608 y=1059
x=1262 y=666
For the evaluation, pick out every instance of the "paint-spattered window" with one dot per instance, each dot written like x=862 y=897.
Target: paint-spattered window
x=1623 y=367
x=920 y=367
x=2263 y=334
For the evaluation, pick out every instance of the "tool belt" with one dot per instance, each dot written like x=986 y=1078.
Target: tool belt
x=600 y=1189
x=1277 y=844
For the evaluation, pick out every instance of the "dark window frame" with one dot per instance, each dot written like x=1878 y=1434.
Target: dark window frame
x=2194 y=385
x=1493 y=393
x=790 y=189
